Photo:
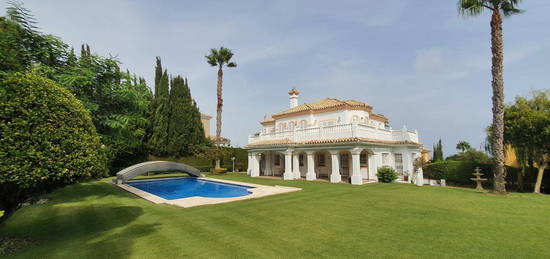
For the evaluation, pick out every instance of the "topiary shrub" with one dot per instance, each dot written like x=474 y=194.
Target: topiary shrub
x=47 y=140
x=386 y=174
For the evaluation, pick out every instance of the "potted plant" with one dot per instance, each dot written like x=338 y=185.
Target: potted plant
x=406 y=176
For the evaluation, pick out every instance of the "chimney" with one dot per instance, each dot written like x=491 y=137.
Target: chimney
x=293 y=97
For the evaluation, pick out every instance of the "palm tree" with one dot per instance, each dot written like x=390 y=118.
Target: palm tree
x=498 y=9
x=220 y=58
x=463 y=146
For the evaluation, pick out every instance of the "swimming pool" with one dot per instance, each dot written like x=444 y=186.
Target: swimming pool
x=178 y=188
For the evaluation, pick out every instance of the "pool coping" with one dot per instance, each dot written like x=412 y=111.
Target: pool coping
x=257 y=192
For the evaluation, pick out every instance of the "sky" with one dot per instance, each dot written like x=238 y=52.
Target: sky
x=418 y=62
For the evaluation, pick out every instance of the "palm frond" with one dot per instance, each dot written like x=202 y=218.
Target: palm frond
x=471 y=7
x=510 y=7
x=21 y=15
x=220 y=57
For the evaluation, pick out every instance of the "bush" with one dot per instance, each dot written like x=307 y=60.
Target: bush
x=48 y=140
x=219 y=170
x=386 y=174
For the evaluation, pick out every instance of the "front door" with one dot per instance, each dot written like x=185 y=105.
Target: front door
x=344 y=164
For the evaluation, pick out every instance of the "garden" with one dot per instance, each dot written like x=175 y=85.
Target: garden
x=96 y=219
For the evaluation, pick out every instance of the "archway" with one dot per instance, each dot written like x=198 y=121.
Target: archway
x=154 y=166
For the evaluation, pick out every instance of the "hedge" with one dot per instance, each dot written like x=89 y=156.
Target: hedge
x=460 y=172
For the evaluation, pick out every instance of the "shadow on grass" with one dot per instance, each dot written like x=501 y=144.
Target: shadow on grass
x=95 y=230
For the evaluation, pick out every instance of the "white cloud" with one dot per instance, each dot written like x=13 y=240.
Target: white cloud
x=428 y=60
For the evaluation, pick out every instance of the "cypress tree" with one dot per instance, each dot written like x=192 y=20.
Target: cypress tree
x=438 y=152
x=158 y=75
x=195 y=130
x=159 y=133
x=185 y=128
x=178 y=120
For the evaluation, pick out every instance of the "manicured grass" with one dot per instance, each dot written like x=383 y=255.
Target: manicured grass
x=98 y=220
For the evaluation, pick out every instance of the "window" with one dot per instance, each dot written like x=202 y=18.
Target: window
x=301 y=159
x=354 y=118
x=321 y=159
x=291 y=125
x=398 y=162
x=277 y=159
x=385 y=158
x=303 y=124
x=363 y=159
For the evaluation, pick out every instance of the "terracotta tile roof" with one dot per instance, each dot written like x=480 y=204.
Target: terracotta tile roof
x=281 y=142
x=270 y=120
x=294 y=91
x=326 y=103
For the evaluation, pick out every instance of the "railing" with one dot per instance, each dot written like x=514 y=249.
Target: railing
x=337 y=132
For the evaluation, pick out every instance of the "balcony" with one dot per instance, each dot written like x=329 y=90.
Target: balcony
x=351 y=130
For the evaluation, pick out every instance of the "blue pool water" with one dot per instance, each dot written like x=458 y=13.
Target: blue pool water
x=171 y=189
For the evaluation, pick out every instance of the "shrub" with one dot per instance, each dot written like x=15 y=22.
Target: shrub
x=386 y=174
x=48 y=140
x=219 y=170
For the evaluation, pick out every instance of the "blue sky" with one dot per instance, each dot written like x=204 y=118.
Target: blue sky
x=416 y=61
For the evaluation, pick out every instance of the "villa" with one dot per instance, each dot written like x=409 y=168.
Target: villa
x=332 y=139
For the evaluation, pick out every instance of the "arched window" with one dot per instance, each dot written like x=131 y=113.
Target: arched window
x=291 y=125
x=303 y=124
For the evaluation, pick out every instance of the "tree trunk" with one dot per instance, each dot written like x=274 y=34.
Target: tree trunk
x=217 y=163
x=521 y=177
x=498 y=102
x=219 y=106
x=540 y=175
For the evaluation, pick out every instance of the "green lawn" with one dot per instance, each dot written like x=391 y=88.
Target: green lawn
x=98 y=220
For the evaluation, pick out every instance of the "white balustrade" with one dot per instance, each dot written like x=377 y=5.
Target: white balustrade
x=337 y=132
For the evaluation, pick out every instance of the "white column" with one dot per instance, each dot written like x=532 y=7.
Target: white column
x=356 y=177
x=335 y=176
x=310 y=175
x=249 y=169
x=373 y=166
x=288 y=175
x=407 y=164
x=296 y=165
x=420 y=177
x=256 y=165
x=268 y=163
